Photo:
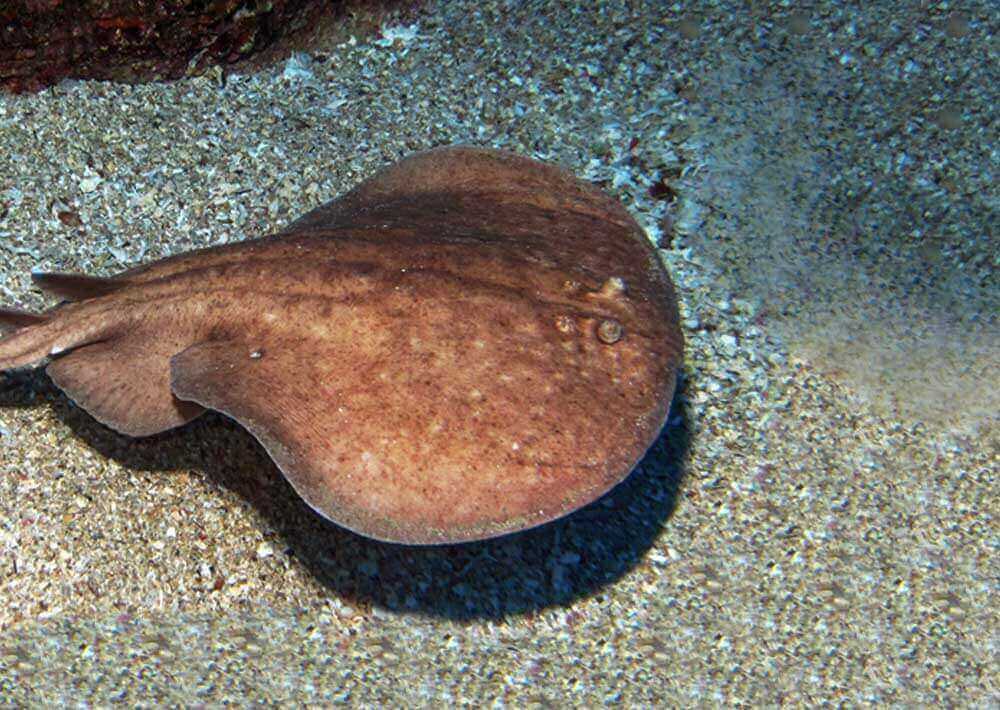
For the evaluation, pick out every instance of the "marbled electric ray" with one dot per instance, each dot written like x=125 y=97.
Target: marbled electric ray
x=467 y=344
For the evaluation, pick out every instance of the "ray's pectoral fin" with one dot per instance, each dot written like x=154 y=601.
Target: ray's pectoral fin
x=125 y=387
x=230 y=377
x=261 y=390
x=281 y=399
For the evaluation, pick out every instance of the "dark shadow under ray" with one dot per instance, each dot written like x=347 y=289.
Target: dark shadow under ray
x=521 y=573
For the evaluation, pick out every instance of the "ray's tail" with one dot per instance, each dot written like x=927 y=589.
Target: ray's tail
x=108 y=358
x=26 y=337
x=12 y=319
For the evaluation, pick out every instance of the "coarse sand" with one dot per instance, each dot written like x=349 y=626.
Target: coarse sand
x=816 y=523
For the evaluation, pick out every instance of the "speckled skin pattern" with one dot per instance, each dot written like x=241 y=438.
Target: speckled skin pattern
x=787 y=541
x=468 y=344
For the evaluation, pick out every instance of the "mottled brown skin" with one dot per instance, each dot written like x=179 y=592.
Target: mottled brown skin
x=468 y=344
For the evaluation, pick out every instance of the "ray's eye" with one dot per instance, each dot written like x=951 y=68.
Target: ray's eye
x=609 y=331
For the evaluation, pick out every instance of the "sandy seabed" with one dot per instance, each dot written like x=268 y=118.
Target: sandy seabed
x=816 y=522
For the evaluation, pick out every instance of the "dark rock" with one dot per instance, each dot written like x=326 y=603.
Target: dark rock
x=44 y=41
